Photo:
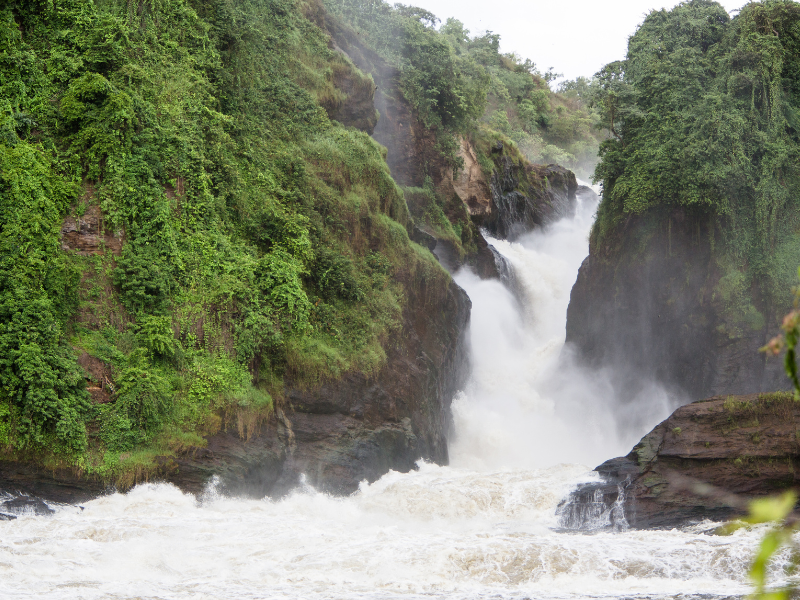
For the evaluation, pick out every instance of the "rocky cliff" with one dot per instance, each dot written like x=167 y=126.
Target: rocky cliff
x=355 y=428
x=333 y=436
x=704 y=462
x=654 y=300
x=350 y=376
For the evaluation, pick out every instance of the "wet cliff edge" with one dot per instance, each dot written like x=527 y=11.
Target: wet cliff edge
x=704 y=462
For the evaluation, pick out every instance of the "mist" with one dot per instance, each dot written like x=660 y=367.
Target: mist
x=529 y=402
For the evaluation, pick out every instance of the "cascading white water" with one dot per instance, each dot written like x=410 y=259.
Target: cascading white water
x=507 y=418
x=484 y=527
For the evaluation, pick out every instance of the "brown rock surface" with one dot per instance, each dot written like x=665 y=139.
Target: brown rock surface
x=703 y=462
x=471 y=185
x=87 y=235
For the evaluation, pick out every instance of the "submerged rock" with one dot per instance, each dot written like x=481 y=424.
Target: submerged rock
x=25 y=505
x=706 y=461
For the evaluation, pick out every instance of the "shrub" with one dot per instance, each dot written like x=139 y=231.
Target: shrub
x=334 y=276
x=143 y=278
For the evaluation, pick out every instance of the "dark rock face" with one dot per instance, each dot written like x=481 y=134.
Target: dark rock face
x=550 y=195
x=704 y=462
x=354 y=428
x=21 y=480
x=25 y=505
x=647 y=301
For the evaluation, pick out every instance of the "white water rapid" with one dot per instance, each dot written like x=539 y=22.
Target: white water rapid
x=484 y=527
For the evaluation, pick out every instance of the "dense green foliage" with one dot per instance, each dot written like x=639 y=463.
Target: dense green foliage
x=458 y=83
x=704 y=116
x=259 y=240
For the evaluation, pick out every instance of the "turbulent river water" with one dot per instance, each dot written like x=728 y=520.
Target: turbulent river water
x=528 y=429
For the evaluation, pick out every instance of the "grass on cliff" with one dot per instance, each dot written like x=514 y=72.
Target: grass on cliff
x=262 y=245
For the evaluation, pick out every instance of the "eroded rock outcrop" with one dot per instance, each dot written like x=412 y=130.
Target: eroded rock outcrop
x=87 y=234
x=518 y=196
x=525 y=196
x=704 y=462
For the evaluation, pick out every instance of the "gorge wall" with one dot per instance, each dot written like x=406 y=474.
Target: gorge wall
x=694 y=251
x=652 y=301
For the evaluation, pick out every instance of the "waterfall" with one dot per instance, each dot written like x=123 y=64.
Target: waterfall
x=528 y=428
x=527 y=404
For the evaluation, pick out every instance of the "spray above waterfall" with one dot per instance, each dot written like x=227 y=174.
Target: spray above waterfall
x=529 y=403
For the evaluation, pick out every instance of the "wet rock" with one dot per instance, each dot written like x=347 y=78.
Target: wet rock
x=25 y=505
x=5 y=517
x=706 y=461
x=586 y=194
x=65 y=486
x=647 y=300
x=524 y=197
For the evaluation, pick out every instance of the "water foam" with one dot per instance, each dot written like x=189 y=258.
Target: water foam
x=440 y=531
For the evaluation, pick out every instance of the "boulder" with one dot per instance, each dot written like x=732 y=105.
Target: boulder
x=706 y=461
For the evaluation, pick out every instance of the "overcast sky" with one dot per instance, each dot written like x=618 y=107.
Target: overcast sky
x=576 y=37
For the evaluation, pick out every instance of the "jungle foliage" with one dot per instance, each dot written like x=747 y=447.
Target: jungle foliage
x=261 y=243
x=703 y=115
x=459 y=83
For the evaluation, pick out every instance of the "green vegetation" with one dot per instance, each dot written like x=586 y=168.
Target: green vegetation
x=703 y=114
x=249 y=241
x=461 y=84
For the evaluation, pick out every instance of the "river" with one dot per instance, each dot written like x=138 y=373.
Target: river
x=528 y=429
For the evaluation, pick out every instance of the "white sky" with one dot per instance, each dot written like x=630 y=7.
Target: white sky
x=576 y=37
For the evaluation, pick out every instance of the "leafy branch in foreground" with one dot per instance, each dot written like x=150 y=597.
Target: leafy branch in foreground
x=777 y=510
x=788 y=340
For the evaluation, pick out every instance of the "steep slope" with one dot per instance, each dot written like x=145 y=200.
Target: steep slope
x=196 y=255
x=696 y=244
